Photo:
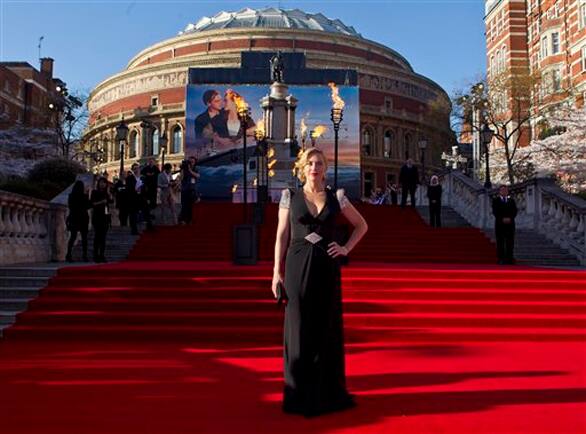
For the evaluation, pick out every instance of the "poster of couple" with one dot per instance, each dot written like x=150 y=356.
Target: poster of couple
x=214 y=133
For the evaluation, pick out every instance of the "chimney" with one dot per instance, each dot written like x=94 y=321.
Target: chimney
x=47 y=66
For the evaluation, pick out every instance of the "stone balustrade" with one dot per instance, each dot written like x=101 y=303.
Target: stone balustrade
x=31 y=230
x=542 y=206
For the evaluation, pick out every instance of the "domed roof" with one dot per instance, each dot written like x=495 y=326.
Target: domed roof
x=272 y=18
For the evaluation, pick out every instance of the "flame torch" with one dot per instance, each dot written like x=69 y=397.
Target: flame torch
x=336 y=117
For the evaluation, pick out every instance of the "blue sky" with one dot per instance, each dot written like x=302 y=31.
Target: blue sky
x=91 y=40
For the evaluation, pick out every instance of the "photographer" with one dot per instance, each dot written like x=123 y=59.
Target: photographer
x=100 y=201
x=189 y=177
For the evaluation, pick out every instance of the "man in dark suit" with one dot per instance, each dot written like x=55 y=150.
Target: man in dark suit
x=505 y=211
x=408 y=178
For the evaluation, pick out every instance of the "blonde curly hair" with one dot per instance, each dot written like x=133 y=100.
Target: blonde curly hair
x=303 y=159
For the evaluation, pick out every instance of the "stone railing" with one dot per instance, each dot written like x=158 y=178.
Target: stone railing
x=542 y=206
x=31 y=230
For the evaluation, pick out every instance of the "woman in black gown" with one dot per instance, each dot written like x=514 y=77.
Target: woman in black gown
x=313 y=350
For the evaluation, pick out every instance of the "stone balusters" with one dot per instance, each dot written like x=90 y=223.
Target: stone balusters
x=25 y=229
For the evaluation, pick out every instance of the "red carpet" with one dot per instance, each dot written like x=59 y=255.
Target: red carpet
x=195 y=347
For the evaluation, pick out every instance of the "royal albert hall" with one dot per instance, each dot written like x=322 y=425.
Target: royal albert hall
x=402 y=113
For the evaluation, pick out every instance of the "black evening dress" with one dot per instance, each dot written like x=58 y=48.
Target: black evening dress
x=313 y=333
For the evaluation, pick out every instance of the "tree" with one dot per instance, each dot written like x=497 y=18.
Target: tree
x=562 y=155
x=503 y=102
x=70 y=121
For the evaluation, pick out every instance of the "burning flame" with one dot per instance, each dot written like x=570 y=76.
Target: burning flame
x=319 y=130
x=271 y=153
x=337 y=101
x=271 y=164
x=303 y=128
x=260 y=128
x=240 y=102
x=234 y=188
x=255 y=182
x=271 y=173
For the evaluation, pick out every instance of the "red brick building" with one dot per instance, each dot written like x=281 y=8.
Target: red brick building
x=547 y=37
x=398 y=106
x=25 y=94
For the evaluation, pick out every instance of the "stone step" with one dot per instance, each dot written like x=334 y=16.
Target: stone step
x=13 y=305
x=7 y=318
x=19 y=293
x=23 y=271
x=22 y=281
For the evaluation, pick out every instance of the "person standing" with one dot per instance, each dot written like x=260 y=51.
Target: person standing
x=408 y=178
x=392 y=197
x=166 y=183
x=150 y=175
x=189 y=178
x=78 y=219
x=100 y=201
x=504 y=209
x=121 y=197
x=133 y=190
x=313 y=350
x=434 y=194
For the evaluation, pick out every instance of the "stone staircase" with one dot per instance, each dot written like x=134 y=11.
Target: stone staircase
x=531 y=248
x=18 y=285
x=22 y=283
x=449 y=217
x=119 y=242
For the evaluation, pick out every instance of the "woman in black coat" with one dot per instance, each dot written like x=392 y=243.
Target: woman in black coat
x=434 y=194
x=78 y=218
x=101 y=199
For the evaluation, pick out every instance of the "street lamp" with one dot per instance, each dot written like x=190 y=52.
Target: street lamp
x=121 y=137
x=163 y=144
x=487 y=135
x=243 y=115
x=422 y=147
x=337 y=115
x=261 y=166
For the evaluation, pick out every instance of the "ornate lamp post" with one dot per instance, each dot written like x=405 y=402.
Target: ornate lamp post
x=337 y=115
x=487 y=135
x=243 y=115
x=261 y=166
x=422 y=147
x=121 y=138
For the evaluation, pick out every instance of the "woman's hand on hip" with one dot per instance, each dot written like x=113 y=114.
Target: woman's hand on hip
x=335 y=250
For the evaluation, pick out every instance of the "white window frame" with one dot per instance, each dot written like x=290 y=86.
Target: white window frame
x=543 y=46
x=553 y=45
x=582 y=14
x=583 y=51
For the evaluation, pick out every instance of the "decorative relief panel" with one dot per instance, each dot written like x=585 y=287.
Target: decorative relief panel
x=136 y=86
x=392 y=85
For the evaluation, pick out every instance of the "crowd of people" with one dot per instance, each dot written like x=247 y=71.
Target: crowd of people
x=136 y=195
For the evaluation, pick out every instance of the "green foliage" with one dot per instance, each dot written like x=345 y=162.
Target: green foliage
x=45 y=180
x=45 y=190
x=58 y=170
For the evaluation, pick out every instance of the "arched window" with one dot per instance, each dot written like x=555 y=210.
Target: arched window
x=133 y=144
x=498 y=61
x=155 y=142
x=367 y=141
x=389 y=141
x=177 y=139
x=491 y=66
x=408 y=144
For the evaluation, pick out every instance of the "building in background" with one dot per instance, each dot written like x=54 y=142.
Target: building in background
x=398 y=107
x=26 y=94
x=542 y=37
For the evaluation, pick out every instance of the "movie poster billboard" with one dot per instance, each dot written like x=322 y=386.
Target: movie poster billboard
x=215 y=137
